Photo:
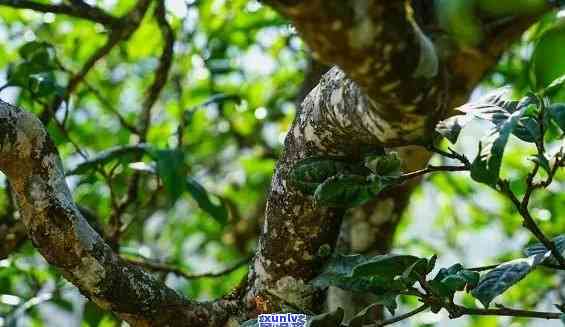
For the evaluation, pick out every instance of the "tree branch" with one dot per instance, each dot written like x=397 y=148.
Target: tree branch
x=83 y=11
x=166 y=268
x=339 y=117
x=57 y=228
x=128 y=24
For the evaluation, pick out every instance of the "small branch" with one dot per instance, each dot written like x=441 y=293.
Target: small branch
x=123 y=31
x=451 y=154
x=529 y=221
x=407 y=315
x=457 y=311
x=432 y=169
x=161 y=76
x=83 y=11
x=162 y=267
x=162 y=73
x=483 y=268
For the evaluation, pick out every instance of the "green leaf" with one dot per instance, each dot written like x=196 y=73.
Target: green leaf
x=555 y=86
x=557 y=114
x=344 y=191
x=453 y=279
x=390 y=266
x=540 y=249
x=44 y=85
x=309 y=173
x=30 y=49
x=338 y=272
x=172 y=171
x=486 y=166
x=452 y=127
x=501 y=278
x=548 y=60
x=218 y=211
x=494 y=107
x=328 y=319
x=35 y=72
x=124 y=153
x=528 y=130
x=388 y=164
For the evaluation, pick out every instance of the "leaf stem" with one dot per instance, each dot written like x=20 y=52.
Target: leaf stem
x=396 y=319
x=456 y=311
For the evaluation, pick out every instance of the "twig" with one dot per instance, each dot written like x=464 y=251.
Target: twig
x=407 y=315
x=161 y=267
x=529 y=221
x=161 y=76
x=128 y=24
x=83 y=11
x=431 y=169
x=456 y=311
x=162 y=73
x=483 y=268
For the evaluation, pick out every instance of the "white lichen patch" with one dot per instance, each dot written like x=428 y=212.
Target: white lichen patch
x=39 y=193
x=295 y=291
x=259 y=270
x=23 y=145
x=31 y=135
x=90 y=273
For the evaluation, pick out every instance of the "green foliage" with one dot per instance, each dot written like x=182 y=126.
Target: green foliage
x=344 y=191
x=36 y=71
x=498 y=280
x=338 y=183
x=309 y=173
x=459 y=19
x=217 y=210
x=548 y=60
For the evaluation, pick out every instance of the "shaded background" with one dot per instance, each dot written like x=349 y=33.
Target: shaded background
x=238 y=72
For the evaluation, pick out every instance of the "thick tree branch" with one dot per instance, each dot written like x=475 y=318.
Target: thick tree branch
x=83 y=11
x=30 y=160
x=341 y=118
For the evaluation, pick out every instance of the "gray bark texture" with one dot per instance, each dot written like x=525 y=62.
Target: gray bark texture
x=376 y=96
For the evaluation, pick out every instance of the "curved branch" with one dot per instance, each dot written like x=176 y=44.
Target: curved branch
x=31 y=163
x=339 y=117
x=83 y=11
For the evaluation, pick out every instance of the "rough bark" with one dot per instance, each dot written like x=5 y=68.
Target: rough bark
x=374 y=99
x=58 y=229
